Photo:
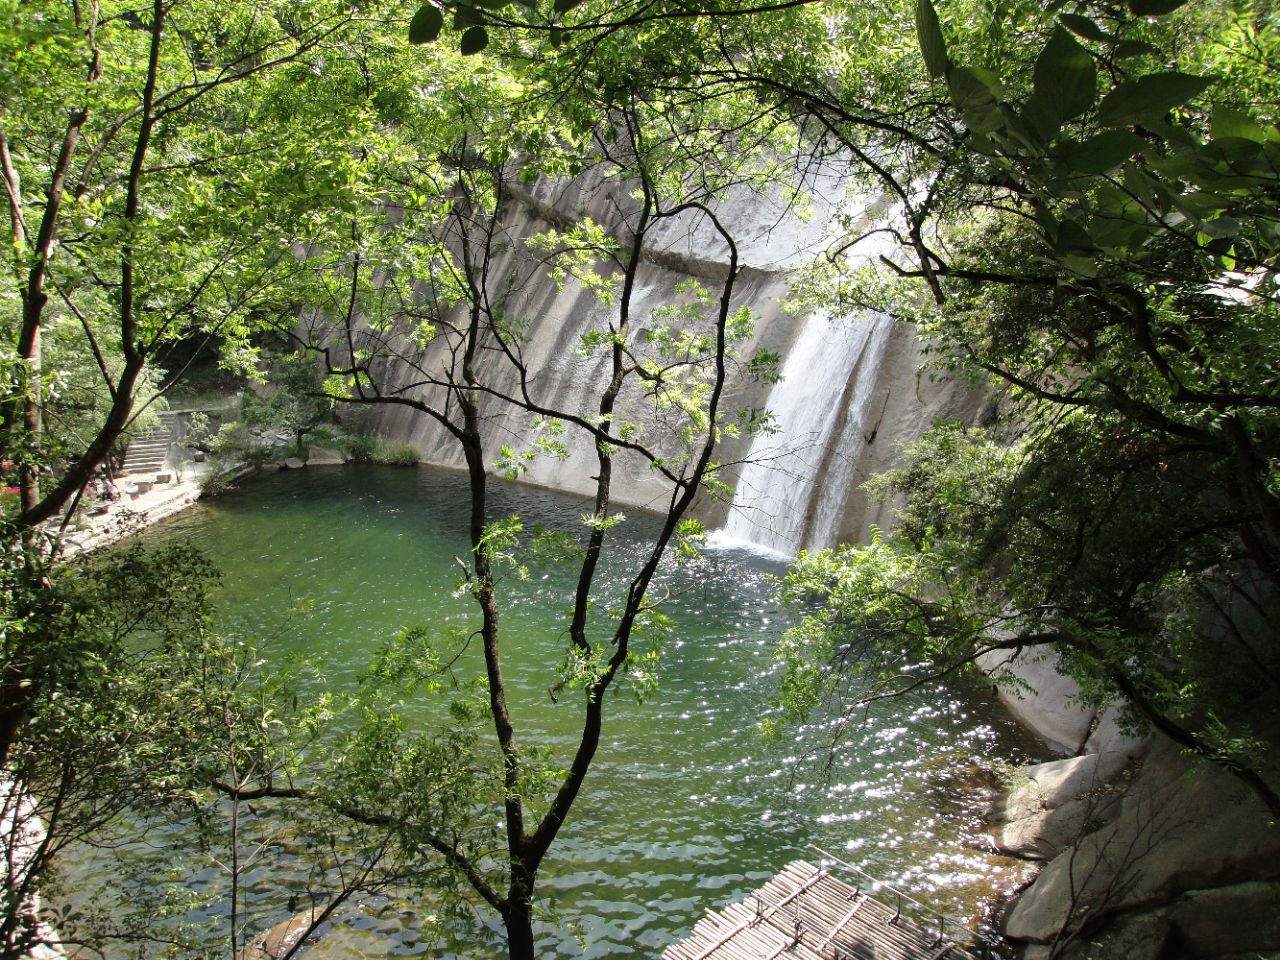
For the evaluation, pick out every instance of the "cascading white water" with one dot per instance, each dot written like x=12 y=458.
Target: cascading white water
x=796 y=481
x=839 y=472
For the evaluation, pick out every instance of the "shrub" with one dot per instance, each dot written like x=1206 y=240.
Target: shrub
x=360 y=447
x=215 y=483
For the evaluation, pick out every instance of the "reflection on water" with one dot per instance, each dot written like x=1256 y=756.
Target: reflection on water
x=686 y=806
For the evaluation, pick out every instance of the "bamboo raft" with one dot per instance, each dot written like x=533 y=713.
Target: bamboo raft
x=804 y=913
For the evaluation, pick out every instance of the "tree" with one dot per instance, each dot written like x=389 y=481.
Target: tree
x=431 y=317
x=449 y=343
x=156 y=185
x=422 y=274
x=112 y=738
x=294 y=403
x=1117 y=280
x=165 y=165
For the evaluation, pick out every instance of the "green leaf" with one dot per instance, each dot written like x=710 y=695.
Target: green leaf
x=1048 y=222
x=1232 y=123
x=932 y=44
x=1135 y=48
x=1080 y=264
x=1175 y=134
x=465 y=15
x=1040 y=122
x=426 y=24
x=1202 y=204
x=1072 y=236
x=1111 y=233
x=983 y=144
x=564 y=6
x=1103 y=152
x=985 y=120
x=1222 y=228
x=1066 y=80
x=1236 y=151
x=473 y=41
x=1154 y=8
x=1083 y=27
x=1151 y=96
x=973 y=88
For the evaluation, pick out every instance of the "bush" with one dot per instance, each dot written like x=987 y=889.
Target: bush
x=215 y=483
x=360 y=447
x=366 y=448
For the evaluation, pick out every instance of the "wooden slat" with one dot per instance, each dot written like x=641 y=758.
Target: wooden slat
x=835 y=930
x=834 y=918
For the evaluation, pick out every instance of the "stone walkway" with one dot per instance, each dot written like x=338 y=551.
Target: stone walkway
x=132 y=512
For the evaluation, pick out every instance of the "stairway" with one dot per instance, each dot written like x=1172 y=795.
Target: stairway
x=148 y=453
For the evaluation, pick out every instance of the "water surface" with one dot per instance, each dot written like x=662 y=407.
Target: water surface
x=686 y=807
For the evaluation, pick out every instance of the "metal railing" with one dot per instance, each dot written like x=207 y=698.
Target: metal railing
x=989 y=945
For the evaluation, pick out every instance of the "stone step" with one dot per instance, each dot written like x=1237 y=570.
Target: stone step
x=148 y=453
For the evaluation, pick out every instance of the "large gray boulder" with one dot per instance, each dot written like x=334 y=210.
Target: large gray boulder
x=1054 y=804
x=1040 y=696
x=1186 y=832
x=276 y=943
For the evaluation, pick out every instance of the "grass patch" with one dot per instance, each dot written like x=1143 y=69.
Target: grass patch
x=395 y=453
x=364 y=448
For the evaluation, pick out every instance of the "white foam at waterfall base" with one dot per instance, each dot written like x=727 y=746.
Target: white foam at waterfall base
x=828 y=372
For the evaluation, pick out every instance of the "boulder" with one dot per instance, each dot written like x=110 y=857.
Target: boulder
x=1243 y=918
x=1183 y=824
x=1237 y=921
x=1043 y=699
x=325 y=457
x=1057 y=803
x=280 y=939
x=1143 y=936
x=1109 y=737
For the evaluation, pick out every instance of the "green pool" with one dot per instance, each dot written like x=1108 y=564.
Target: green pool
x=686 y=806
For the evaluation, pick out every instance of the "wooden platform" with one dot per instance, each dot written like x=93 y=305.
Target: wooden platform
x=807 y=914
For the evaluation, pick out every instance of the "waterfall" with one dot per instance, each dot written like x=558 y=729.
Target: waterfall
x=795 y=483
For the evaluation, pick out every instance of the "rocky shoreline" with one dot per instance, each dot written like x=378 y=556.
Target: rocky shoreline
x=1147 y=853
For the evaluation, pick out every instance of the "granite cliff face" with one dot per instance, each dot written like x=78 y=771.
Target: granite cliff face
x=851 y=388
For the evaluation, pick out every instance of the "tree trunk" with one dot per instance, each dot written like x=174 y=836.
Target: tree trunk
x=518 y=919
x=33 y=423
